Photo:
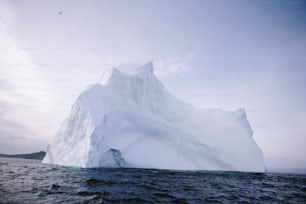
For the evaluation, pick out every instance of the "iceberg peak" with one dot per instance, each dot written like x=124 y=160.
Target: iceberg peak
x=116 y=73
x=109 y=75
x=147 y=68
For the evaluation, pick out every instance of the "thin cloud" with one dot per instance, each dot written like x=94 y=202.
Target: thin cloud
x=19 y=73
x=13 y=130
x=17 y=138
x=172 y=65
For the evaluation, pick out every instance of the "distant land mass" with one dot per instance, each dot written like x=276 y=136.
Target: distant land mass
x=36 y=155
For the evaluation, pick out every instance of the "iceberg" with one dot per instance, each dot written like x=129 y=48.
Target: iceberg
x=129 y=119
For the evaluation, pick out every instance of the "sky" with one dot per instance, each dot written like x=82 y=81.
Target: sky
x=210 y=53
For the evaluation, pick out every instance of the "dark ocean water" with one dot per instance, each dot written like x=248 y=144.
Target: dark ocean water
x=29 y=181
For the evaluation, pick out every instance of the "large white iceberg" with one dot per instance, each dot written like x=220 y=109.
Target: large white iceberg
x=129 y=119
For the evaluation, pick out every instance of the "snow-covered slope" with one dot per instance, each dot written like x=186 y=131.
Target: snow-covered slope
x=129 y=119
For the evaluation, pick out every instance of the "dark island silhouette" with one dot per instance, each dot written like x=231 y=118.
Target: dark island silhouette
x=36 y=155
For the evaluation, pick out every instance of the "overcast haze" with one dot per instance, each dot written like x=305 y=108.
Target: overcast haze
x=213 y=54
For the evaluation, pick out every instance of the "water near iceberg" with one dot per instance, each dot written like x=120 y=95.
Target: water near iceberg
x=29 y=181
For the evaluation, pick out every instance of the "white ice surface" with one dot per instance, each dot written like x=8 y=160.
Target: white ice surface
x=130 y=114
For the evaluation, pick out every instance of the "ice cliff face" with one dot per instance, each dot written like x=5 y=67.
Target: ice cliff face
x=129 y=119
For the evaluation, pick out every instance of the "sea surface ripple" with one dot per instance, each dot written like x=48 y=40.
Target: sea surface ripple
x=29 y=181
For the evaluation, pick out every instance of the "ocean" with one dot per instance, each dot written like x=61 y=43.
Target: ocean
x=30 y=181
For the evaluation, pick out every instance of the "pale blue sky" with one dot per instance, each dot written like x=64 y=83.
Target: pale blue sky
x=213 y=54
